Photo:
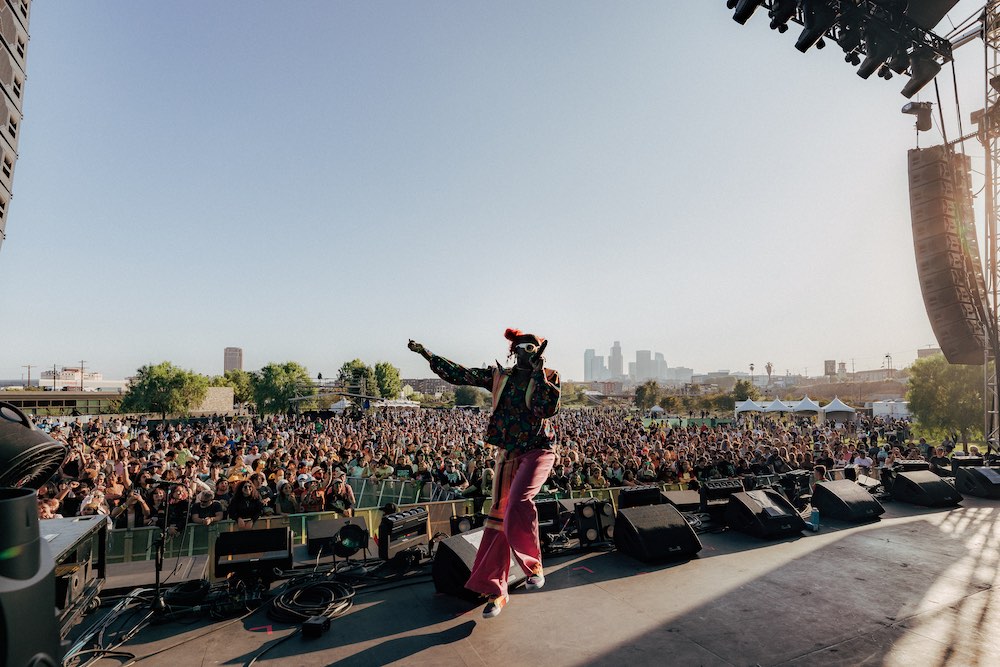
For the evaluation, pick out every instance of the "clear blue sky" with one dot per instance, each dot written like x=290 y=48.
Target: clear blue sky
x=319 y=181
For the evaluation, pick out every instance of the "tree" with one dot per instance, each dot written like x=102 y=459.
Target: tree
x=390 y=384
x=646 y=394
x=946 y=397
x=359 y=377
x=276 y=384
x=744 y=390
x=166 y=389
x=471 y=396
x=240 y=381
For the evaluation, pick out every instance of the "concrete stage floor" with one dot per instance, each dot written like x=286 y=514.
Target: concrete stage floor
x=920 y=587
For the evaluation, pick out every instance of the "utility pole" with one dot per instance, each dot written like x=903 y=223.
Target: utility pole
x=29 y=367
x=54 y=377
x=82 y=362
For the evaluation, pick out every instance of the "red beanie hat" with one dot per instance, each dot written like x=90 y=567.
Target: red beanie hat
x=516 y=337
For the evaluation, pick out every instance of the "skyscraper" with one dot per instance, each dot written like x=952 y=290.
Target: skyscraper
x=588 y=365
x=233 y=360
x=616 y=363
x=644 y=369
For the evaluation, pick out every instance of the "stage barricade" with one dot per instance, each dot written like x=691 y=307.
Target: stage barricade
x=140 y=543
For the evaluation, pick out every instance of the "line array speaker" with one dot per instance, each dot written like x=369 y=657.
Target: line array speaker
x=949 y=268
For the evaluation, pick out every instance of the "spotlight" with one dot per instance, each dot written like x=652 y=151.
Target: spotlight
x=817 y=17
x=922 y=110
x=923 y=68
x=884 y=72
x=853 y=58
x=781 y=13
x=899 y=62
x=351 y=539
x=878 y=47
x=744 y=9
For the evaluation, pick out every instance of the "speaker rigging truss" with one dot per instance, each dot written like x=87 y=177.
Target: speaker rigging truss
x=876 y=36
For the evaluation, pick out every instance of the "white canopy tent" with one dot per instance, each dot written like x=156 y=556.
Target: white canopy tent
x=777 y=406
x=806 y=405
x=748 y=406
x=837 y=410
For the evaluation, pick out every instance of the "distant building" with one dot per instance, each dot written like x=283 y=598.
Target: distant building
x=233 y=360
x=428 y=386
x=928 y=352
x=72 y=374
x=616 y=362
x=588 y=365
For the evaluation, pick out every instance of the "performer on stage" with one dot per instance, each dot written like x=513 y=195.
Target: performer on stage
x=524 y=398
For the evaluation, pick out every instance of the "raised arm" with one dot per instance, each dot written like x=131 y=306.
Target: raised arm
x=454 y=373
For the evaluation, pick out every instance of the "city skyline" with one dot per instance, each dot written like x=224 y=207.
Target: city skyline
x=318 y=187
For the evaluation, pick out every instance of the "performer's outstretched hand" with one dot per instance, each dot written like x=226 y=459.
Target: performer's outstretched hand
x=419 y=349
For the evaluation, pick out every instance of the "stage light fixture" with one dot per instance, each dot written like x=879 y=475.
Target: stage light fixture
x=922 y=110
x=995 y=83
x=879 y=48
x=884 y=72
x=744 y=9
x=818 y=16
x=923 y=69
x=781 y=13
x=853 y=58
x=351 y=539
x=899 y=62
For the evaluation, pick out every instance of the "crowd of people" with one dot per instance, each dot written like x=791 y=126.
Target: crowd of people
x=145 y=473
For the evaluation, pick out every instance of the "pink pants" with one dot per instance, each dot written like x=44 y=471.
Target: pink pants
x=512 y=525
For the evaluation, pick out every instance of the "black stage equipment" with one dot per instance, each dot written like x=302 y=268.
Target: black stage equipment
x=685 y=501
x=947 y=252
x=342 y=537
x=595 y=520
x=463 y=524
x=846 y=500
x=28 y=457
x=966 y=462
x=922 y=487
x=910 y=465
x=401 y=531
x=453 y=561
x=80 y=547
x=253 y=553
x=715 y=493
x=978 y=481
x=29 y=632
x=637 y=496
x=653 y=533
x=763 y=513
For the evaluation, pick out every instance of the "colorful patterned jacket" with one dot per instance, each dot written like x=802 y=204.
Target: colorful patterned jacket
x=523 y=402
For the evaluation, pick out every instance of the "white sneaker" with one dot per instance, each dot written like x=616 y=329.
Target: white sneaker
x=494 y=607
x=534 y=582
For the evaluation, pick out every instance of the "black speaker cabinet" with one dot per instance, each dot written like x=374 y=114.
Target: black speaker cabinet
x=715 y=493
x=258 y=552
x=653 y=533
x=453 y=561
x=402 y=530
x=595 y=521
x=763 y=513
x=922 y=487
x=29 y=631
x=321 y=534
x=965 y=462
x=685 y=501
x=911 y=465
x=981 y=482
x=847 y=501
x=637 y=496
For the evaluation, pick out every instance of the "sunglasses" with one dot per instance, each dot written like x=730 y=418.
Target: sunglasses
x=530 y=348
